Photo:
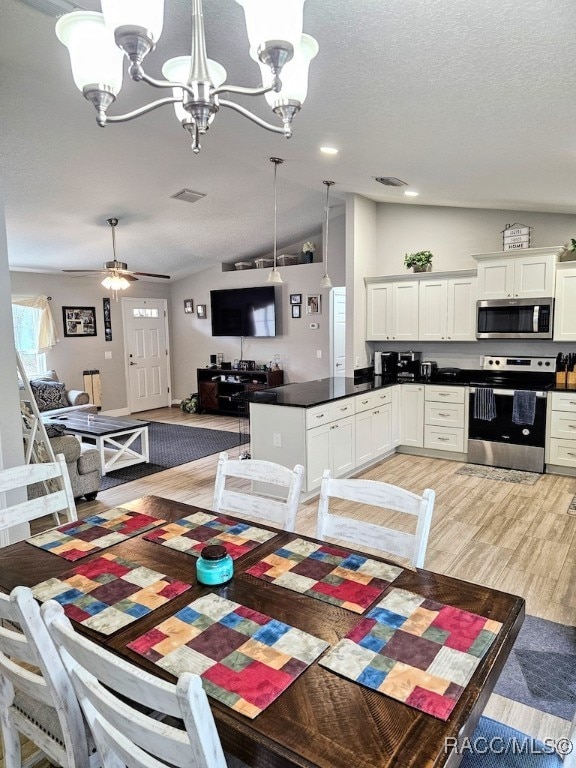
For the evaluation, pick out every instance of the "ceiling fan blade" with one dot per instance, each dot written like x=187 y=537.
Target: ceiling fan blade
x=151 y=274
x=92 y=271
x=129 y=276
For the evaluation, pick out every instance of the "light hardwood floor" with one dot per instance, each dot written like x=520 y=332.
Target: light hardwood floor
x=513 y=537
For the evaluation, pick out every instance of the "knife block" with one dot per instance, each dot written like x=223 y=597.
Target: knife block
x=571 y=380
x=561 y=377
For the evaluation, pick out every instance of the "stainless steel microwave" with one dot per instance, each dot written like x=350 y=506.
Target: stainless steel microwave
x=514 y=318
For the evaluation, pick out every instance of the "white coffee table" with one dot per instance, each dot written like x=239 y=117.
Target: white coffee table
x=115 y=438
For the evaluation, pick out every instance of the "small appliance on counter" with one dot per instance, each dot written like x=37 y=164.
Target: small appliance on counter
x=386 y=364
x=409 y=366
x=448 y=375
x=428 y=370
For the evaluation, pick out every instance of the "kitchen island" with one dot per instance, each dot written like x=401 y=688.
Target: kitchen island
x=334 y=423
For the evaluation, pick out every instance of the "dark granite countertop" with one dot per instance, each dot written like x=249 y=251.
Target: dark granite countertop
x=310 y=393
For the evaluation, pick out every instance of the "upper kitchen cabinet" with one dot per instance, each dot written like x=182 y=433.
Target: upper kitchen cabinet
x=392 y=310
x=447 y=309
x=526 y=275
x=564 y=314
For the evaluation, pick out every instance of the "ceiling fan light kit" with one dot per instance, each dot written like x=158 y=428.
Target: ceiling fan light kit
x=96 y=42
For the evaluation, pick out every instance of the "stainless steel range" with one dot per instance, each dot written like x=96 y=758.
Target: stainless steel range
x=507 y=412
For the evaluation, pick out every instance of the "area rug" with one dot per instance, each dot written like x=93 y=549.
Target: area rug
x=496 y=473
x=540 y=670
x=572 y=507
x=172 y=445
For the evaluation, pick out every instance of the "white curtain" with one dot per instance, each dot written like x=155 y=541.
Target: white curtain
x=47 y=335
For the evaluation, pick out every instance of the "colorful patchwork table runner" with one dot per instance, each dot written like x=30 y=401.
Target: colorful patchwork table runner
x=415 y=650
x=109 y=592
x=246 y=659
x=191 y=534
x=348 y=580
x=75 y=540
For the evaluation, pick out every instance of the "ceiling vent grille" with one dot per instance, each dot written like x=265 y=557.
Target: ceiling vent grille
x=188 y=196
x=53 y=8
x=391 y=181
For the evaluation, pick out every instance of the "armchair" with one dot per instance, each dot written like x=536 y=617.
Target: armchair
x=52 y=397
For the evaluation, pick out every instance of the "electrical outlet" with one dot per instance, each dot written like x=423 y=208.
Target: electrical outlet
x=277 y=440
x=107 y=355
x=319 y=353
x=357 y=363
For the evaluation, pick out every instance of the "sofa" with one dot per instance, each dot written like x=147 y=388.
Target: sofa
x=83 y=464
x=53 y=399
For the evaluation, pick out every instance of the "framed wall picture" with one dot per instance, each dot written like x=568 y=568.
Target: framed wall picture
x=79 y=321
x=314 y=304
x=107 y=319
x=201 y=311
x=188 y=306
x=295 y=298
x=296 y=310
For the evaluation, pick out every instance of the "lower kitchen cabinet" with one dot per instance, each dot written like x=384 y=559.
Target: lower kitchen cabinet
x=412 y=415
x=561 y=444
x=445 y=418
x=330 y=446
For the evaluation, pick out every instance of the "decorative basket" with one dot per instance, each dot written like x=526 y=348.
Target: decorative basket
x=285 y=259
x=243 y=265
x=263 y=263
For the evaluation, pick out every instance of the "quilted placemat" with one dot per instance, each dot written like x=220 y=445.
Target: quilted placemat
x=75 y=540
x=191 y=534
x=109 y=592
x=415 y=650
x=246 y=659
x=348 y=580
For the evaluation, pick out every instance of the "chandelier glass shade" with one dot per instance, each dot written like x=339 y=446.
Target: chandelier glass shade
x=194 y=84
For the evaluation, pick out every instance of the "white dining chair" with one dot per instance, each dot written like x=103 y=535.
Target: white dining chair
x=260 y=502
x=58 y=497
x=411 y=546
x=37 y=699
x=113 y=694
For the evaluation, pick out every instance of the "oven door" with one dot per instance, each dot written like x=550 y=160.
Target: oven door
x=501 y=442
x=514 y=319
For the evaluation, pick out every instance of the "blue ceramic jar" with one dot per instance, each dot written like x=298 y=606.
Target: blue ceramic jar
x=214 y=566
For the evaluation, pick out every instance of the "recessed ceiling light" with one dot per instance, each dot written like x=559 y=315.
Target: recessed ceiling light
x=329 y=150
x=411 y=193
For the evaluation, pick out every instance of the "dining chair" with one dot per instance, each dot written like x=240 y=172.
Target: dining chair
x=495 y=745
x=37 y=699
x=117 y=698
x=58 y=496
x=385 y=496
x=260 y=503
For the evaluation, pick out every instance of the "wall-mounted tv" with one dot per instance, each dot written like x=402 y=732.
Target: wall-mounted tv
x=244 y=311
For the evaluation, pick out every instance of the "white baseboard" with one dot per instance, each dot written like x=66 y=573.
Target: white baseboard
x=176 y=402
x=116 y=412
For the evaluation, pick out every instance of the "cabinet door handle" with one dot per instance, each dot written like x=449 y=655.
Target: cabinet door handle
x=445 y=415
x=344 y=408
x=444 y=439
x=571 y=426
x=444 y=394
x=365 y=401
x=570 y=454
x=319 y=415
x=375 y=413
x=572 y=402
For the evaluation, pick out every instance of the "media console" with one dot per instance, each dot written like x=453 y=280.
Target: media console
x=217 y=387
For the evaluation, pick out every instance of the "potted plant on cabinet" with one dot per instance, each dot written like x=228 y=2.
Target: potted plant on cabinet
x=420 y=261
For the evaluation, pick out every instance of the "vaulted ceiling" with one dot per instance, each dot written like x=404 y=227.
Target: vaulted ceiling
x=471 y=102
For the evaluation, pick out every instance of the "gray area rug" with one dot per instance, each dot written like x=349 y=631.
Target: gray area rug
x=495 y=473
x=172 y=445
x=572 y=507
x=540 y=670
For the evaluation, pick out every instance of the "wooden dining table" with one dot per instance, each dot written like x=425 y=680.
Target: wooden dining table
x=322 y=719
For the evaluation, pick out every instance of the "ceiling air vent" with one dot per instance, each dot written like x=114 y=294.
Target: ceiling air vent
x=188 y=196
x=54 y=8
x=391 y=181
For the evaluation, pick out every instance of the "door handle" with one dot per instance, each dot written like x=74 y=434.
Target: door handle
x=131 y=363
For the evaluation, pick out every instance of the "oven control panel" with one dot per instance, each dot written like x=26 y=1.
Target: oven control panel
x=528 y=364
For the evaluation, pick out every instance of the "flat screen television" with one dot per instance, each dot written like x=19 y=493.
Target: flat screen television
x=244 y=311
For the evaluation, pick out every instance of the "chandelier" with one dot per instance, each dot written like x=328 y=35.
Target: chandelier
x=96 y=42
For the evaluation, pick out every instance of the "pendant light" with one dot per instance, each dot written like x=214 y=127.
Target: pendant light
x=326 y=282
x=275 y=276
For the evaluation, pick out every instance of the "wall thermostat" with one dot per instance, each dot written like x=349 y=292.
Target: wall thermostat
x=314 y=326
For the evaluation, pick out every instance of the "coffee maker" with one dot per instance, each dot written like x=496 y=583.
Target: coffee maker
x=409 y=366
x=386 y=365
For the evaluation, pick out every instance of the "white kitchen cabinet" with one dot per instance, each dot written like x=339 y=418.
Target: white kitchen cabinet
x=382 y=429
x=342 y=446
x=445 y=418
x=527 y=276
x=364 y=438
x=564 y=309
x=317 y=454
x=561 y=430
x=392 y=311
x=374 y=426
x=412 y=415
x=447 y=310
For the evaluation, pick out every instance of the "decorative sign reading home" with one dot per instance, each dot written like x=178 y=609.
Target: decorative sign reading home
x=516 y=236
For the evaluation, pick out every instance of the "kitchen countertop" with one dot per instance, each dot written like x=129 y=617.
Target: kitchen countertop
x=310 y=393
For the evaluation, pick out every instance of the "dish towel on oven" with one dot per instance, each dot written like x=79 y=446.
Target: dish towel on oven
x=524 y=407
x=484 y=404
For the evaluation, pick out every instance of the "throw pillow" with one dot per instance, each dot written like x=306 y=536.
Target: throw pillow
x=52 y=430
x=49 y=394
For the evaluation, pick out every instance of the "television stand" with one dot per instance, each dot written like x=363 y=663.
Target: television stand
x=217 y=387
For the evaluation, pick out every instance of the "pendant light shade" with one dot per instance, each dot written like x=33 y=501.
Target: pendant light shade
x=275 y=276
x=178 y=71
x=148 y=14
x=326 y=282
x=294 y=73
x=267 y=21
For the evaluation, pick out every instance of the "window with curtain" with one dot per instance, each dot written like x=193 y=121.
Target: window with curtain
x=34 y=332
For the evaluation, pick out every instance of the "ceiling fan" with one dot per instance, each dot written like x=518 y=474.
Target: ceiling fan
x=118 y=276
